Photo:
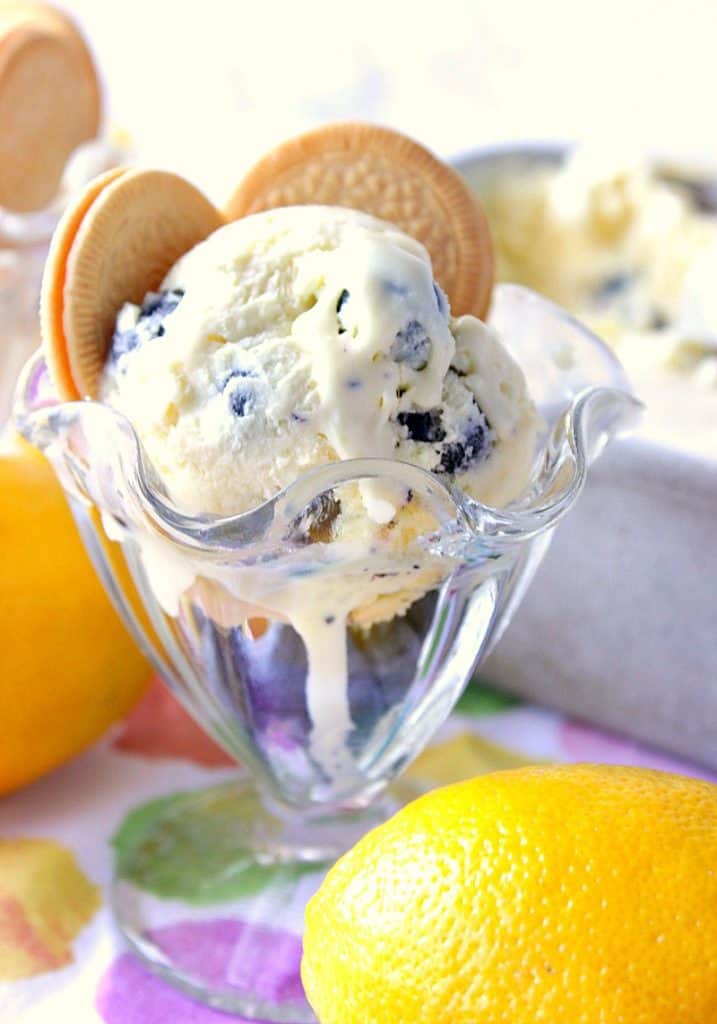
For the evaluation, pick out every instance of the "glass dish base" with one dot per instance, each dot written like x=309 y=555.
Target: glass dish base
x=210 y=890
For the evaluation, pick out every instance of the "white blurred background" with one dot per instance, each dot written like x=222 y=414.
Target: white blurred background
x=205 y=86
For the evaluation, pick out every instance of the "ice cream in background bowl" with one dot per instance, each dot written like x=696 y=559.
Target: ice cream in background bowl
x=629 y=245
x=626 y=243
x=330 y=490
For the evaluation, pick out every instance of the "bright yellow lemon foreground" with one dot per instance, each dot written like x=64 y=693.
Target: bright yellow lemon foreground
x=557 y=895
x=69 y=668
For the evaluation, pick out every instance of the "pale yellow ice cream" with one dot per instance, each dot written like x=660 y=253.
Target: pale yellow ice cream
x=633 y=257
x=303 y=336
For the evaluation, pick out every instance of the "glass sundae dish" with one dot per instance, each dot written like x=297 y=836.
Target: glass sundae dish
x=316 y=496
x=317 y=748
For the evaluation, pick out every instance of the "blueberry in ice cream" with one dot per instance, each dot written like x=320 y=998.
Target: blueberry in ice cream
x=412 y=345
x=137 y=324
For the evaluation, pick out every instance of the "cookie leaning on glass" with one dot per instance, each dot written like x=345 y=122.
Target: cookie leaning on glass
x=114 y=244
x=296 y=337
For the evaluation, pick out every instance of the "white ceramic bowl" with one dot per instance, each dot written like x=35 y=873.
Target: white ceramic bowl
x=620 y=625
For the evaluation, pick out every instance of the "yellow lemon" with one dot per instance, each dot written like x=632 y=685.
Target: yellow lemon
x=69 y=668
x=578 y=894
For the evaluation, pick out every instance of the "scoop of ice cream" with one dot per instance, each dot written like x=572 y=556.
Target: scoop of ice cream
x=305 y=335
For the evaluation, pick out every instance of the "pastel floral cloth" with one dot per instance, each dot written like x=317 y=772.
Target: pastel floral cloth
x=60 y=957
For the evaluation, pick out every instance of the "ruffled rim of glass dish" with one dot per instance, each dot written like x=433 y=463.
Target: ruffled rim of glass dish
x=126 y=485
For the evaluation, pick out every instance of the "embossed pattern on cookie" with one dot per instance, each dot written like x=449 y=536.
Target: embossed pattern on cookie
x=384 y=173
